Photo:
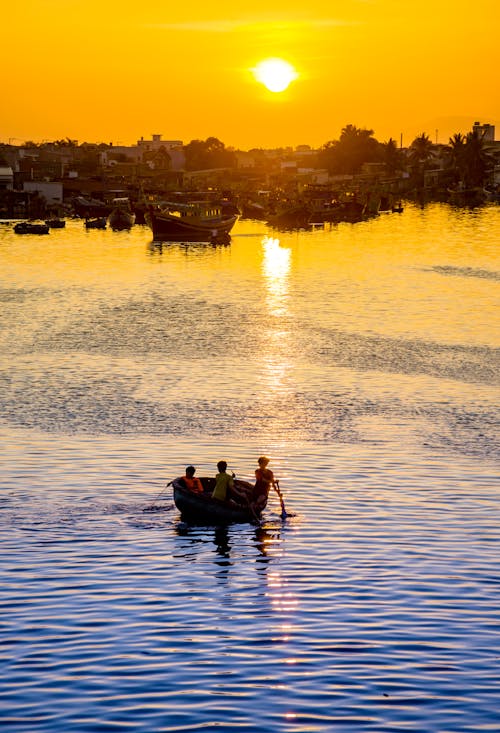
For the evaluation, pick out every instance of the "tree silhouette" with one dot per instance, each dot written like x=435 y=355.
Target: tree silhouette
x=420 y=153
x=211 y=153
x=475 y=160
x=354 y=147
x=392 y=157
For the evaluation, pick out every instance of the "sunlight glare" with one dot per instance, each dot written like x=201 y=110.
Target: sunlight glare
x=275 y=74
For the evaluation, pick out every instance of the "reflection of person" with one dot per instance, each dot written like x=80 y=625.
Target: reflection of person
x=223 y=483
x=193 y=483
x=264 y=479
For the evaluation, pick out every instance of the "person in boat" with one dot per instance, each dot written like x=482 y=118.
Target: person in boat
x=264 y=480
x=224 y=483
x=192 y=482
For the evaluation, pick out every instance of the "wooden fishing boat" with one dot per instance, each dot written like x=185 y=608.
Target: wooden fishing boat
x=121 y=217
x=27 y=227
x=198 y=221
x=97 y=223
x=200 y=508
x=55 y=223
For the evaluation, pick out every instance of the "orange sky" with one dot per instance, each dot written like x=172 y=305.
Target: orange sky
x=116 y=71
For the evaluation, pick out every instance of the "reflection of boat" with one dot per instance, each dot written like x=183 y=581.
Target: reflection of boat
x=202 y=509
x=98 y=223
x=27 y=227
x=121 y=216
x=55 y=223
x=200 y=221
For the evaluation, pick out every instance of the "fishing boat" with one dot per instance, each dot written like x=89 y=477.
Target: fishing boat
x=121 y=216
x=197 y=221
x=28 y=227
x=97 y=223
x=55 y=223
x=292 y=216
x=200 y=508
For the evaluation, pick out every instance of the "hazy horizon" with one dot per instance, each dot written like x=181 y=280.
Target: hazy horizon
x=438 y=130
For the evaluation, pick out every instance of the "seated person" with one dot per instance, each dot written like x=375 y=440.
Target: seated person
x=224 y=483
x=193 y=483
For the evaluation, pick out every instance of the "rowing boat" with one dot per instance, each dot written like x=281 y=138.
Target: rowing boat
x=200 y=508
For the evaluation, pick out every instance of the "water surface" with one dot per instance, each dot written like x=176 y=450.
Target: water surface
x=364 y=360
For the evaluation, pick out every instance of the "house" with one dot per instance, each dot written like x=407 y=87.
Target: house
x=6 y=177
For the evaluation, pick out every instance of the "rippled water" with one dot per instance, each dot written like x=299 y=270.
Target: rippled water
x=364 y=360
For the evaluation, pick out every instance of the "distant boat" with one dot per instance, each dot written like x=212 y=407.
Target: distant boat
x=462 y=196
x=291 y=216
x=89 y=207
x=55 y=223
x=97 y=223
x=121 y=216
x=27 y=227
x=198 y=221
x=253 y=210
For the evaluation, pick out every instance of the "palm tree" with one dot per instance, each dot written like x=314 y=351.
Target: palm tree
x=456 y=148
x=475 y=160
x=392 y=156
x=419 y=156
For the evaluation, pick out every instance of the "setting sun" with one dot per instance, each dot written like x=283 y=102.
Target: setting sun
x=275 y=74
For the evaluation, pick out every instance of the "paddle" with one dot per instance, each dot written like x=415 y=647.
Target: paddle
x=153 y=507
x=282 y=501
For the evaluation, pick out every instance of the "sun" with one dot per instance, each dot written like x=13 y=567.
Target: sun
x=275 y=74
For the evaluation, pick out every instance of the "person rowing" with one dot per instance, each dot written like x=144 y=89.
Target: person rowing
x=258 y=496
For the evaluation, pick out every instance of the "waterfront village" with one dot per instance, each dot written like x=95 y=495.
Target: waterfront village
x=346 y=179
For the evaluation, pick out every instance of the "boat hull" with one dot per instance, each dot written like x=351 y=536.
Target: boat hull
x=28 y=228
x=99 y=223
x=201 y=509
x=168 y=228
x=120 y=220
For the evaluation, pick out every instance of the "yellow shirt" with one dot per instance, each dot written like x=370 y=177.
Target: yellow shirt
x=223 y=482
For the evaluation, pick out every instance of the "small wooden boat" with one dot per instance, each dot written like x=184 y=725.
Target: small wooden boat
x=27 y=227
x=55 y=223
x=200 y=508
x=121 y=217
x=98 y=223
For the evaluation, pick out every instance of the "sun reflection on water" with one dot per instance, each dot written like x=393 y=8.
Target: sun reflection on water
x=276 y=264
x=276 y=269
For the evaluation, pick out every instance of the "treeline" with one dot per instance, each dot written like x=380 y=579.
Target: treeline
x=465 y=155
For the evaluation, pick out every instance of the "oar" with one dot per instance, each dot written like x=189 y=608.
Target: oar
x=153 y=507
x=282 y=501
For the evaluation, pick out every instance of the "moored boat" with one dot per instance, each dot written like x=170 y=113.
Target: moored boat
x=121 y=217
x=97 y=223
x=55 y=223
x=28 y=227
x=200 y=508
x=198 y=221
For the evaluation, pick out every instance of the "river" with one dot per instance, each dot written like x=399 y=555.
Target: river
x=363 y=359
